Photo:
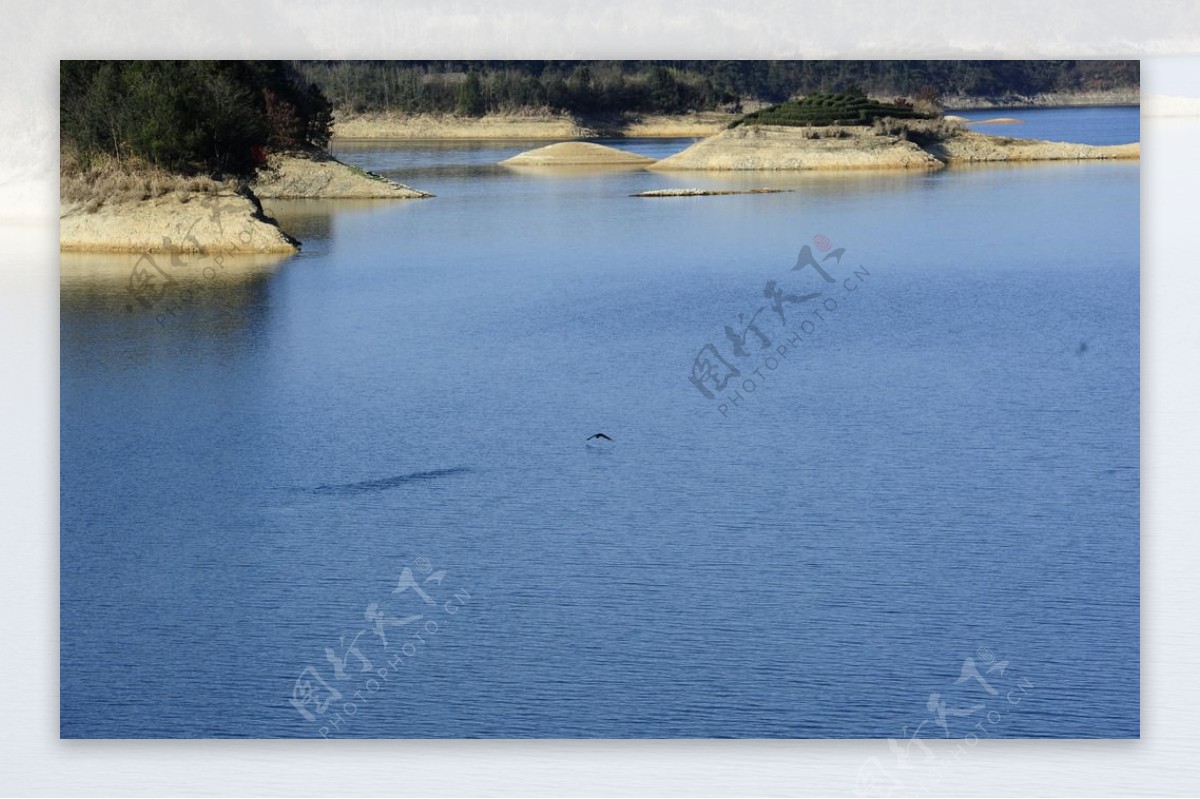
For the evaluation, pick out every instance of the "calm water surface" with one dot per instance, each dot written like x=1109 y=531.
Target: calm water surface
x=943 y=466
x=1092 y=125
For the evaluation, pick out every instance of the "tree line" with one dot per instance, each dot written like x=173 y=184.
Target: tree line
x=609 y=87
x=190 y=117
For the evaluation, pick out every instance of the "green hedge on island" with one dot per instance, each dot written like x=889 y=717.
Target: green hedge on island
x=819 y=110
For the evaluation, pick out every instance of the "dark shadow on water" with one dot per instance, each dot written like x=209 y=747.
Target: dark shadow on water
x=388 y=482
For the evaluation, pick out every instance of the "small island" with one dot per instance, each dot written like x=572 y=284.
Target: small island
x=174 y=156
x=577 y=153
x=850 y=131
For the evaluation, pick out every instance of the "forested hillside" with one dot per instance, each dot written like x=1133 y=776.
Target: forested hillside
x=472 y=88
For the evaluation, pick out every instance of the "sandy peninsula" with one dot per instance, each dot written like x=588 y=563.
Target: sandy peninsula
x=142 y=210
x=296 y=176
x=221 y=222
x=577 y=153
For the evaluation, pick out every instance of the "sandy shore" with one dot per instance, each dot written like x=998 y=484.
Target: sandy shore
x=225 y=222
x=1128 y=96
x=549 y=126
x=969 y=147
x=315 y=177
x=427 y=126
x=577 y=153
x=698 y=125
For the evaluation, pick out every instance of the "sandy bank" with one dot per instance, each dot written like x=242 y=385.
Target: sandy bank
x=426 y=126
x=548 y=126
x=979 y=147
x=697 y=125
x=768 y=147
x=313 y=177
x=225 y=222
x=705 y=192
x=1126 y=96
x=577 y=153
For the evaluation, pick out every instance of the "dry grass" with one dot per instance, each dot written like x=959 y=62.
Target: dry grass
x=102 y=179
x=920 y=131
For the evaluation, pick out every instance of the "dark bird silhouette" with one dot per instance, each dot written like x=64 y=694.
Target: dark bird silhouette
x=838 y=253
x=599 y=435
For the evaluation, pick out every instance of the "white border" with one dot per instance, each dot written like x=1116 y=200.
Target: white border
x=32 y=759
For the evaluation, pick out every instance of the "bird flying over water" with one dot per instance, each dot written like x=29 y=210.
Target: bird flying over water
x=600 y=436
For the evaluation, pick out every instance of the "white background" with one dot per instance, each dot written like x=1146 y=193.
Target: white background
x=33 y=37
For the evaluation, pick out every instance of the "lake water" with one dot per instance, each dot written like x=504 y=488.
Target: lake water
x=383 y=438
x=1088 y=125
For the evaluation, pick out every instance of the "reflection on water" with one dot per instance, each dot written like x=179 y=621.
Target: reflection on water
x=188 y=294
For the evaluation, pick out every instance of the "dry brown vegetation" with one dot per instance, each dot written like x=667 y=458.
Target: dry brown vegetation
x=100 y=179
x=918 y=130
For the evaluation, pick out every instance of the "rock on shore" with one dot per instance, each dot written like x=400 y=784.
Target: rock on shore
x=772 y=147
x=577 y=153
x=225 y=222
x=311 y=177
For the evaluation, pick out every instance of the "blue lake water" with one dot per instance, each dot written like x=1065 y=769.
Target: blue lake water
x=1090 y=125
x=942 y=464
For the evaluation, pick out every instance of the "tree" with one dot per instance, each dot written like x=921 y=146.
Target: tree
x=191 y=117
x=470 y=96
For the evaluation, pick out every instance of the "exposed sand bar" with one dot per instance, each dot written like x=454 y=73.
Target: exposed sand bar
x=705 y=192
x=577 y=153
x=224 y=222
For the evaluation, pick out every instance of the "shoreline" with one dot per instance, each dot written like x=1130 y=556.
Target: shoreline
x=216 y=219
x=383 y=126
x=1117 y=98
x=390 y=126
